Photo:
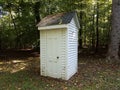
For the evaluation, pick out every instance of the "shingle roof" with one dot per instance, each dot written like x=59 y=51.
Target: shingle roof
x=56 y=19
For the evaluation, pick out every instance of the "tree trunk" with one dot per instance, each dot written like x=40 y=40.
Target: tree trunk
x=81 y=28
x=37 y=12
x=93 y=30
x=97 y=29
x=0 y=41
x=0 y=33
x=115 y=33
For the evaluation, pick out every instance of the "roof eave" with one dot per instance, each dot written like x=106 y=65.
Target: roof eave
x=53 y=27
x=78 y=24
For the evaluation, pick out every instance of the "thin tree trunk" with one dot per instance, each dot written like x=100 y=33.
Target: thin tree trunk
x=80 y=37
x=85 y=37
x=0 y=34
x=115 y=33
x=0 y=40
x=81 y=28
x=93 y=31
x=108 y=32
x=37 y=12
x=97 y=28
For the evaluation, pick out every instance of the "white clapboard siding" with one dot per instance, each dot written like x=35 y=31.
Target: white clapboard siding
x=72 y=48
x=43 y=52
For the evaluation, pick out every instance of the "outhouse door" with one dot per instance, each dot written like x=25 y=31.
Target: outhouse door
x=53 y=47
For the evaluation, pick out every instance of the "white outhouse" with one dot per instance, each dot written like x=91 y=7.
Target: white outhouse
x=59 y=45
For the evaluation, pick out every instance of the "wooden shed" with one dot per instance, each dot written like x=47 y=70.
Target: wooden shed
x=59 y=45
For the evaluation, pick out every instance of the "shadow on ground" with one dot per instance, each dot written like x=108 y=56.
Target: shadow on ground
x=21 y=71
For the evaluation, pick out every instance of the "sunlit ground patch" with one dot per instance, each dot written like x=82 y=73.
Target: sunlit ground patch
x=16 y=65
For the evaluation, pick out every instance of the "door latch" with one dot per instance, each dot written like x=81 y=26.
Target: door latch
x=57 y=57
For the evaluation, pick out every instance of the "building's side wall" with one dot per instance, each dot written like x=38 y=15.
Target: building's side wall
x=43 y=52
x=72 y=48
x=64 y=54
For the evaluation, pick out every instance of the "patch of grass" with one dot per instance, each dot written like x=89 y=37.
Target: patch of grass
x=25 y=80
x=93 y=74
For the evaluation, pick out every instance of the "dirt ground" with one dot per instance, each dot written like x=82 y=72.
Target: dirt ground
x=93 y=73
